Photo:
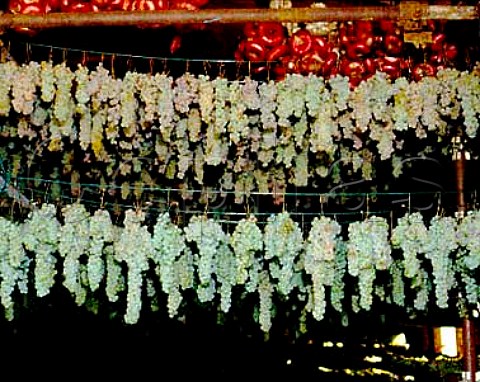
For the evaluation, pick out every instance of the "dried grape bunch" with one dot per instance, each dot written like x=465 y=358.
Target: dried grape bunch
x=369 y=250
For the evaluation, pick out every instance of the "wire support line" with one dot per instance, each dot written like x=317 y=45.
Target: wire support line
x=219 y=213
x=128 y=56
x=206 y=191
x=291 y=213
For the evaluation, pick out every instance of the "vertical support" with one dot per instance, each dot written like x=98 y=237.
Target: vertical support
x=469 y=349
x=469 y=343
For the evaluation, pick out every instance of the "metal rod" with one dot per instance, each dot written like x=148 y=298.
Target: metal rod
x=224 y=16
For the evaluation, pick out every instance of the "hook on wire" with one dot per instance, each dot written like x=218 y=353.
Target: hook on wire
x=102 y=199
x=221 y=69
x=165 y=67
x=28 y=52
x=367 y=204
x=129 y=64
x=205 y=211
x=151 y=64
x=323 y=200
x=439 y=204
x=238 y=70
x=206 y=67
x=112 y=65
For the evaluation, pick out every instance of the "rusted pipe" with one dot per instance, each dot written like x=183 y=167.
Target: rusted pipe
x=469 y=342
x=204 y=16
x=224 y=16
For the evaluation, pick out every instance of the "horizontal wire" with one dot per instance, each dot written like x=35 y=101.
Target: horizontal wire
x=222 y=216
x=133 y=56
x=104 y=187
x=217 y=214
x=126 y=206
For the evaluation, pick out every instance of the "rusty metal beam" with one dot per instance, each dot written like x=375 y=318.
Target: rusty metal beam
x=469 y=340
x=225 y=16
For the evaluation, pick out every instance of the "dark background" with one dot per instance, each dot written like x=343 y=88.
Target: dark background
x=53 y=338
